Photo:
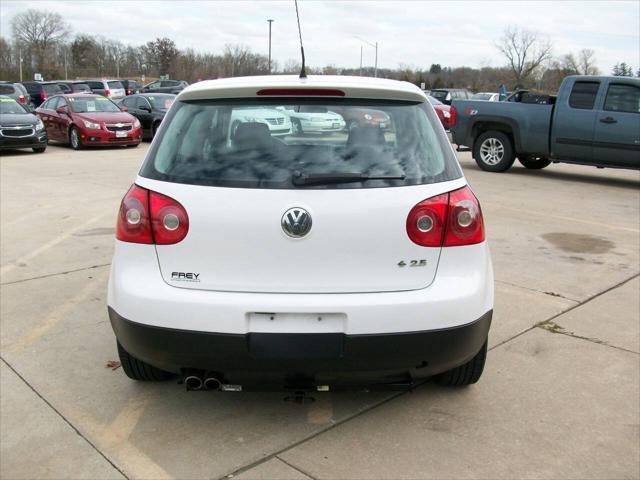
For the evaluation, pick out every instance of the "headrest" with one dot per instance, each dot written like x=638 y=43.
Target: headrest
x=366 y=136
x=251 y=133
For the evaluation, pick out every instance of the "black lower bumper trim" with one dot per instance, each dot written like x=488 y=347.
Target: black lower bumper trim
x=322 y=357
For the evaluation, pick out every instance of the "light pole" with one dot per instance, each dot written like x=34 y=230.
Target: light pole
x=360 y=60
x=20 y=62
x=374 y=45
x=270 y=22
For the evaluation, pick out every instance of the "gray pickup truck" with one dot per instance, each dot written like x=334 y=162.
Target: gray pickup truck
x=593 y=121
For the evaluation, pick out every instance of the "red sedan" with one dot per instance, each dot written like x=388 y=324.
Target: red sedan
x=443 y=111
x=84 y=120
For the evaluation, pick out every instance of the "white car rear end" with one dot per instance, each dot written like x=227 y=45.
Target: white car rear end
x=356 y=257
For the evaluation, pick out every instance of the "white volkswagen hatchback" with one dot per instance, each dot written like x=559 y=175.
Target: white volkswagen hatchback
x=301 y=261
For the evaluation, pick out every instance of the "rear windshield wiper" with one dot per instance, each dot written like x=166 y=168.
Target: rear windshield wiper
x=300 y=178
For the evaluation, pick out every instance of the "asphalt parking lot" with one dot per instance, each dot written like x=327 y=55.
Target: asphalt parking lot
x=559 y=397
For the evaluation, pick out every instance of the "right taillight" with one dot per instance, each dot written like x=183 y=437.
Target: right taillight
x=150 y=217
x=448 y=220
x=21 y=99
x=453 y=114
x=107 y=92
x=43 y=96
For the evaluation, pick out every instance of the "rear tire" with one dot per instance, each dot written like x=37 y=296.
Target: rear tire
x=133 y=145
x=139 y=370
x=533 y=162
x=39 y=149
x=465 y=374
x=493 y=151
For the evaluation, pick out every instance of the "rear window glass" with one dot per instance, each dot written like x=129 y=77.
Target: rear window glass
x=32 y=87
x=6 y=89
x=583 y=95
x=265 y=144
x=52 y=89
x=439 y=94
x=115 y=85
x=96 y=85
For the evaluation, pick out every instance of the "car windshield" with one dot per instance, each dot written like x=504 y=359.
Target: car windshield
x=115 y=85
x=256 y=144
x=161 y=102
x=482 y=96
x=10 y=106
x=434 y=101
x=92 y=104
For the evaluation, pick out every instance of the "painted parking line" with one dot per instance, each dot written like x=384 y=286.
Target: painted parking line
x=47 y=246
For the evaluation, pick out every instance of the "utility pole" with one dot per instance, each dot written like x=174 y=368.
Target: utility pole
x=375 y=70
x=374 y=45
x=360 y=60
x=66 y=77
x=270 y=22
x=20 y=62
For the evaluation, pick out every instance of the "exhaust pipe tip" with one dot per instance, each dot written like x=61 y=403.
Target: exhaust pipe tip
x=212 y=383
x=193 y=382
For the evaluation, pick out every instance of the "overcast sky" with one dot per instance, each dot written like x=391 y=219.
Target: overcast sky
x=415 y=33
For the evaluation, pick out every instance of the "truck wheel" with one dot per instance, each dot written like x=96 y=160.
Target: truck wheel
x=465 y=374
x=533 y=162
x=139 y=370
x=493 y=152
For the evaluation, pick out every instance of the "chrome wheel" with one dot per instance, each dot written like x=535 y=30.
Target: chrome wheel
x=75 y=139
x=492 y=151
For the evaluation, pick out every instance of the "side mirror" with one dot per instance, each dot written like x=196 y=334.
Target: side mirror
x=123 y=108
x=61 y=110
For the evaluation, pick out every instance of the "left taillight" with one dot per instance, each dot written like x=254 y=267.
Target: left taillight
x=150 y=217
x=453 y=116
x=21 y=99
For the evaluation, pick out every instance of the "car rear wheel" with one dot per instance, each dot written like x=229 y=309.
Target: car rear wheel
x=493 y=151
x=139 y=370
x=465 y=374
x=533 y=162
x=39 y=149
x=74 y=139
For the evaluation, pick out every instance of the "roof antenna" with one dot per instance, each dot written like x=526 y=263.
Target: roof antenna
x=303 y=74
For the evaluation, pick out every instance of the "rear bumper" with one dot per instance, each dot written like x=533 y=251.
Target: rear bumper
x=321 y=358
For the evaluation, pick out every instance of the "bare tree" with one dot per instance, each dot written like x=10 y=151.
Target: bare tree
x=37 y=31
x=525 y=52
x=587 y=62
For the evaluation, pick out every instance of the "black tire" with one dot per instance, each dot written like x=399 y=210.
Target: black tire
x=139 y=370
x=533 y=162
x=234 y=128
x=75 y=141
x=39 y=149
x=296 y=127
x=493 y=151
x=465 y=374
x=133 y=145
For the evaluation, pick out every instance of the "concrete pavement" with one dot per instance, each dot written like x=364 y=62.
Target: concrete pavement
x=559 y=397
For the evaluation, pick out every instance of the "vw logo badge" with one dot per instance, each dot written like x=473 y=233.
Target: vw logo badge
x=296 y=222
